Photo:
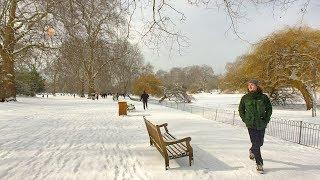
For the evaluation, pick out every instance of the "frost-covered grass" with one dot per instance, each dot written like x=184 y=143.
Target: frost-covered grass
x=74 y=138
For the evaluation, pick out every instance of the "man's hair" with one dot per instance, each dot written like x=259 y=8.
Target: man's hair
x=254 y=81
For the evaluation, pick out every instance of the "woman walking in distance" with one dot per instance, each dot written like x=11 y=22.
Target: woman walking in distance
x=255 y=111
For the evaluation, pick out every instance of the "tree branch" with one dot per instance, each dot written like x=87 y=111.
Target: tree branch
x=26 y=48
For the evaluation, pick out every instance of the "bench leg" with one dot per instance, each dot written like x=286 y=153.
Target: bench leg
x=167 y=163
x=190 y=159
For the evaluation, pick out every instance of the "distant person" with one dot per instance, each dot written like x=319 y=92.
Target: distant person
x=74 y=95
x=255 y=111
x=115 y=97
x=144 y=98
x=93 y=96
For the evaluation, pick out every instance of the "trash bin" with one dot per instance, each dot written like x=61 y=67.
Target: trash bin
x=122 y=108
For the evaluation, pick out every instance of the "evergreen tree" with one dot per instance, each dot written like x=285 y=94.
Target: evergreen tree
x=29 y=82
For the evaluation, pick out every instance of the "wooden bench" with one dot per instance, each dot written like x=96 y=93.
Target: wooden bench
x=168 y=146
x=131 y=107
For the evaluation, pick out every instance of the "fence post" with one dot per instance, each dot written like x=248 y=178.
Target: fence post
x=215 y=118
x=300 y=132
x=234 y=116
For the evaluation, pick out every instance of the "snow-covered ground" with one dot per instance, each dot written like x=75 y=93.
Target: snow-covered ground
x=73 y=138
x=231 y=101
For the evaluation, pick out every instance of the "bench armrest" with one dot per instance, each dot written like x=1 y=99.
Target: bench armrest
x=162 y=125
x=187 y=140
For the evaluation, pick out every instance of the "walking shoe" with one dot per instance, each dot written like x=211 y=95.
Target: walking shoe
x=251 y=155
x=260 y=168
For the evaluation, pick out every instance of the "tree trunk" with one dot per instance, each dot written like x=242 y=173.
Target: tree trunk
x=315 y=104
x=90 y=72
x=54 y=89
x=2 y=95
x=9 y=86
x=305 y=93
x=91 y=84
x=82 y=88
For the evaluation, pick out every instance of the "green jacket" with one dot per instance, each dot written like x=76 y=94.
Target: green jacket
x=255 y=110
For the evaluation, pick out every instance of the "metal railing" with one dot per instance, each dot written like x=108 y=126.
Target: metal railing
x=304 y=133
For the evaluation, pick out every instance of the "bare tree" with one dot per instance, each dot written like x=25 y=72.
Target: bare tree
x=94 y=21
x=22 y=27
x=128 y=66
x=160 y=19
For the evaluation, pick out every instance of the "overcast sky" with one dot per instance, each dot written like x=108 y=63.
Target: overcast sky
x=211 y=44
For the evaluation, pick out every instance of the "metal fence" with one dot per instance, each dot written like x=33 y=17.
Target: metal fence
x=307 y=134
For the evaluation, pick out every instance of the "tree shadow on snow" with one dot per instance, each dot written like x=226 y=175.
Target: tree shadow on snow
x=292 y=166
x=203 y=161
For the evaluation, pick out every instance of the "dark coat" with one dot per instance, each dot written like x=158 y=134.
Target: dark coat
x=144 y=97
x=255 y=110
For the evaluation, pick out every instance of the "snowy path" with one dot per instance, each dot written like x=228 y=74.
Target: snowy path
x=66 y=138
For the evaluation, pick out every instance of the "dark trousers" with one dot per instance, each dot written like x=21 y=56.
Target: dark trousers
x=145 y=104
x=257 y=138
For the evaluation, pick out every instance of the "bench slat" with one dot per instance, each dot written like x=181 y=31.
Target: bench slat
x=175 y=138
x=181 y=145
x=178 y=147
x=171 y=152
x=176 y=152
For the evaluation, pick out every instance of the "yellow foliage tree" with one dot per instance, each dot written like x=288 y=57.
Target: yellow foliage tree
x=286 y=58
x=149 y=83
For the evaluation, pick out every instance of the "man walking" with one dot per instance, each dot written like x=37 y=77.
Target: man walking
x=144 y=98
x=255 y=111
